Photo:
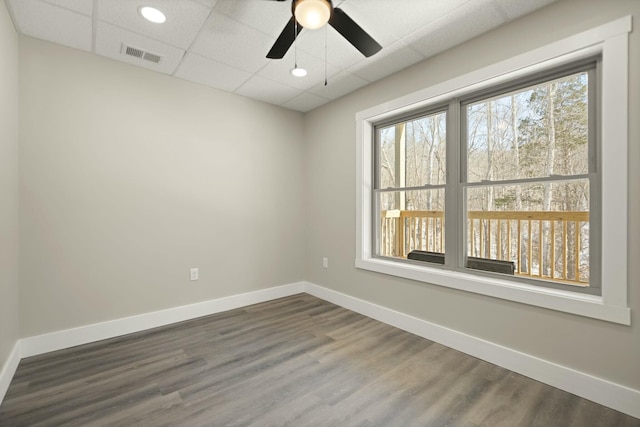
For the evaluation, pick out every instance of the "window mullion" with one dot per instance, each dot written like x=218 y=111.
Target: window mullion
x=453 y=212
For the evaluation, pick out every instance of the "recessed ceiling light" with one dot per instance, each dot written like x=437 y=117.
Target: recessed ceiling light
x=298 y=72
x=152 y=14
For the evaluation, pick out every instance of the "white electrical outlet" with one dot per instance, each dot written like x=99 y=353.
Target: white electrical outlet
x=194 y=274
x=325 y=262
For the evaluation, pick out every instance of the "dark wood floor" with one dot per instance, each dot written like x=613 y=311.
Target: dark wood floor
x=297 y=361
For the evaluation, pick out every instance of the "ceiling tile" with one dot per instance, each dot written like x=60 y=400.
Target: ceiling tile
x=211 y=73
x=278 y=70
x=270 y=17
x=109 y=41
x=207 y=3
x=305 y=102
x=52 y=23
x=399 y=18
x=267 y=90
x=184 y=19
x=233 y=43
x=516 y=9
x=458 y=26
x=81 y=6
x=396 y=57
x=339 y=85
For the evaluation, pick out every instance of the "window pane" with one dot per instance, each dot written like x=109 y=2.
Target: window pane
x=413 y=153
x=406 y=223
x=536 y=132
x=541 y=229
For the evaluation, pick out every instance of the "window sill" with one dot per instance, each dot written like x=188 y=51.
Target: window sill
x=559 y=300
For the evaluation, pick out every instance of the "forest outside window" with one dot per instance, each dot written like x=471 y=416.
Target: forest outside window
x=510 y=181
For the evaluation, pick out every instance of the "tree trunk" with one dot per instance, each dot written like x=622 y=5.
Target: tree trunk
x=548 y=187
x=400 y=164
x=431 y=159
x=522 y=262
x=551 y=145
x=490 y=175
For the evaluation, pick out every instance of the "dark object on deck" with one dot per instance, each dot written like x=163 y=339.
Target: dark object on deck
x=434 y=257
x=493 y=265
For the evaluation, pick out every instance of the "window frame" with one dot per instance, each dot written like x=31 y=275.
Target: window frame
x=610 y=42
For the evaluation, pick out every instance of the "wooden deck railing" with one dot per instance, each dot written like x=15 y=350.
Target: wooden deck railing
x=547 y=245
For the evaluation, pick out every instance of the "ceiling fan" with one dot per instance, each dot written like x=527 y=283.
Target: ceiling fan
x=313 y=14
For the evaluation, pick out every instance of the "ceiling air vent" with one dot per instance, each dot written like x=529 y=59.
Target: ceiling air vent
x=142 y=54
x=152 y=57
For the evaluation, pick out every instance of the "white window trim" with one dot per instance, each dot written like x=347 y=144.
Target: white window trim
x=609 y=40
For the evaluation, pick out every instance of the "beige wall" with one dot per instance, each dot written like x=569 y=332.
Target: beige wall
x=603 y=349
x=8 y=185
x=128 y=178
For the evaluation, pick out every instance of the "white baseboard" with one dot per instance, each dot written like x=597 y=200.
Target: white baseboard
x=58 y=340
x=9 y=369
x=607 y=393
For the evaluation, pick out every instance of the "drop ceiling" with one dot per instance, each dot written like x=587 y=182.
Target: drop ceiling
x=223 y=43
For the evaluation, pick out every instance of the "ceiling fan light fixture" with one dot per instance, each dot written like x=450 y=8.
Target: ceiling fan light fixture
x=152 y=14
x=312 y=14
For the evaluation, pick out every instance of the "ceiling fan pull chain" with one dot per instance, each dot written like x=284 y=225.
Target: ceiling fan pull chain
x=325 y=55
x=295 y=44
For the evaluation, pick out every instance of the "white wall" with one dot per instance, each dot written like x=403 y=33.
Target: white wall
x=128 y=178
x=8 y=185
x=603 y=349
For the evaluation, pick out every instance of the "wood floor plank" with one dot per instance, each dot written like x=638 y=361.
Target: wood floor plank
x=296 y=361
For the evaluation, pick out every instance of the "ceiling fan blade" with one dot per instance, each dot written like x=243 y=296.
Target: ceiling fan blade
x=285 y=40
x=353 y=33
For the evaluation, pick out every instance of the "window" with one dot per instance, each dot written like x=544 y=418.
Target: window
x=501 y=181
x=529 y=178
x=411 y=184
